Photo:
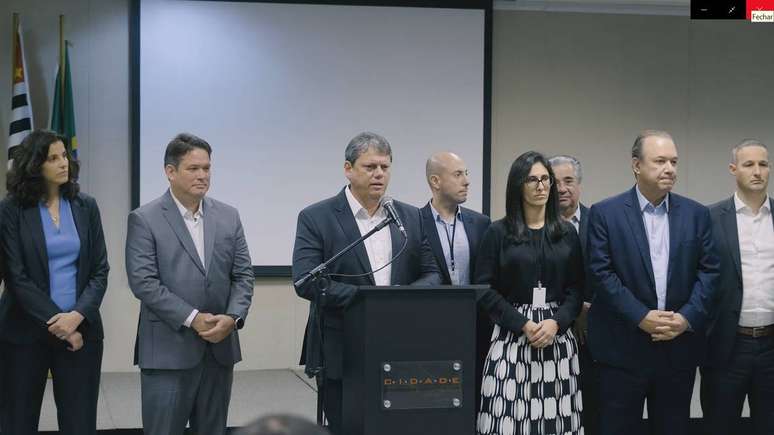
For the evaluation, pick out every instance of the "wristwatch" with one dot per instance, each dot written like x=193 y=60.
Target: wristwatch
x=239 y=322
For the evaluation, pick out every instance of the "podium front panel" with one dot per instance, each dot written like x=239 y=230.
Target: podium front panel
x=409 y=361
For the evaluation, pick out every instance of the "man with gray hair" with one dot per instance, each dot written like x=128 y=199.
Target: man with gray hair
x=568 y=173
x=740 y=357
x=327 y=227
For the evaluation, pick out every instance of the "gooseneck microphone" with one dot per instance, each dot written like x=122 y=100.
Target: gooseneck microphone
x=390 y=207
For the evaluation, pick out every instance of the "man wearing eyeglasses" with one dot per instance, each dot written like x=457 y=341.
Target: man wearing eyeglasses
x=654 y=271
x=455 y=246
x=568 y=173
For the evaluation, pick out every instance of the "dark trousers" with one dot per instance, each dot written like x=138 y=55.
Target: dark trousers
x=750 y=373
x=622 y=394
x=199 y=396
x=332 y=405
x=589 y=376
x=75 y=377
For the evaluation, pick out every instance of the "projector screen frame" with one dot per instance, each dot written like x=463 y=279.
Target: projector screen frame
x=285 y=270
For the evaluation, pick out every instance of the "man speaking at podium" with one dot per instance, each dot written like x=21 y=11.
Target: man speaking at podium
x=327 y=227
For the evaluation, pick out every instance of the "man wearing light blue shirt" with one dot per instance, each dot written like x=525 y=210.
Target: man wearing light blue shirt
x=656 y=220
x=653 y=267
x=454 y=233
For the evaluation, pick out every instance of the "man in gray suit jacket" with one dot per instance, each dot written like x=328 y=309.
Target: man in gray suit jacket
x=187 y=262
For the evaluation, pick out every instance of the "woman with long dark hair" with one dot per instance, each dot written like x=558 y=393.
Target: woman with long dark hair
x=56 y=276
x=532 y=261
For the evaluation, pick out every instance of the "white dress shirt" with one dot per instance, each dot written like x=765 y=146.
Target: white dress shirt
x=756 y=249
x=575 y=219
x=195 y=224
x=379 y=245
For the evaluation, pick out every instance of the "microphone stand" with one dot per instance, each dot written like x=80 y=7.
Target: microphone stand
x=319 y=275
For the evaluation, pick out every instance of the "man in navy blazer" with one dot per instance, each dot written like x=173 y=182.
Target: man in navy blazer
x=327 y=227
x=654 y=270
x=447 y=176
x=740 y=353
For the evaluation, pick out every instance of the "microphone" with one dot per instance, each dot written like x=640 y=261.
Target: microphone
x=390 y=207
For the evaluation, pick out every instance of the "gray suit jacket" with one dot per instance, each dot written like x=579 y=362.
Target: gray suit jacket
x=166 y=275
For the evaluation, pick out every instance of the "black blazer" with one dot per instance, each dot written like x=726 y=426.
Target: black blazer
x=26 y=304
x=728 y=294
x=475 y=225
x=324 y=229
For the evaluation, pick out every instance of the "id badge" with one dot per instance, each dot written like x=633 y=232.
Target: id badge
x=539 y=296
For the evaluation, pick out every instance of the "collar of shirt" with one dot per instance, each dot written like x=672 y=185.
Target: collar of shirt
x=187 y=213
x=358 y=210
x=645 y=205
x=741 y=207
x=437 y=216
x=576 y=216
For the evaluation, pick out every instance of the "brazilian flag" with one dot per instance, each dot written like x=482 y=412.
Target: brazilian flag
x=63 y=112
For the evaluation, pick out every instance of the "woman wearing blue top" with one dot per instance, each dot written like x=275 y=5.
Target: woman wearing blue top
x=56 y=276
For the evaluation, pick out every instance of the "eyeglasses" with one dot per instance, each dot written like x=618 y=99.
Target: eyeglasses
x=532 y=181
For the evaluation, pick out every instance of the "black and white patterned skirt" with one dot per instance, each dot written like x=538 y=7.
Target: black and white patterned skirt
x=531 y=391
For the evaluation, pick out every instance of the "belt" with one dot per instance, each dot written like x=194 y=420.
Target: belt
x=757 y=331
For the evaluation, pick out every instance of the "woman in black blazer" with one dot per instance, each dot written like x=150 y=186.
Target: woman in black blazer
x=533 y=262
x=56 y=276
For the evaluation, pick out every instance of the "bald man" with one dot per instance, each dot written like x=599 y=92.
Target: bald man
x=455 y=246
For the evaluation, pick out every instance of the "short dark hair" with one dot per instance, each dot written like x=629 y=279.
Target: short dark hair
x=181 y=145
x=282 y=424
x=363 y=142
x=516 y=228
x=25 y=181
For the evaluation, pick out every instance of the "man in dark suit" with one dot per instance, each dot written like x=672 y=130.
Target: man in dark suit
x=188 y=263
x=328 y=226
x=740 y=357
x=654 y=270
x=569 y=175
x=447 y=176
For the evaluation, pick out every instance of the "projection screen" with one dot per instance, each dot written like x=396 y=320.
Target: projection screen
x=279 y=89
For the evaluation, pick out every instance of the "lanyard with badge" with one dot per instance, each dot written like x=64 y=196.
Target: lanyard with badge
x=539 y=292
x=453 y=266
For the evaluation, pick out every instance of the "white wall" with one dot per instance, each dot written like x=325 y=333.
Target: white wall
x=583 y=84
x=99 y=57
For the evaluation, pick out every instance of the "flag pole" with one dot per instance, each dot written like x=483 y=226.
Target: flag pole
x=61 y=83
x=14 y=30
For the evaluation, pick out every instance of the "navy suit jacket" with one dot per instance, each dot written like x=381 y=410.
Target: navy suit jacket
x=26 y=303
x=583 y=234
x=622 y=275
x=323 y=230
x=728 y=297
x=475 y=225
